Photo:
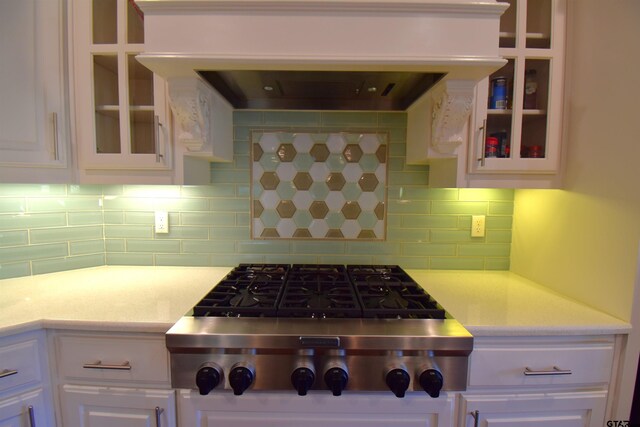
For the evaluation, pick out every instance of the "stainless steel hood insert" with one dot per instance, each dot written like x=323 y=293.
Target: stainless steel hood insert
x=315 y=90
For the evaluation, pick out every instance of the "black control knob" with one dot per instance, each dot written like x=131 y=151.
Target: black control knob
x=398 y=381
x=336 y=379
x=207 y=378
x=431 y=381
x=302 y=379
x=240 y=379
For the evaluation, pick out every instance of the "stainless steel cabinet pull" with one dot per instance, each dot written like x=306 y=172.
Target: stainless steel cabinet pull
x=476 y=417
x=159 y=412
x=55 y=136
x=7 y=373
x=554 y=371
x=126 y=366
x=156 y=137
x=484 y=142
x=32 y=416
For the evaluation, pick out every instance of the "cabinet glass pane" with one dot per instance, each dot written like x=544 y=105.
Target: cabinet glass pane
x=508 y=25
x=140 y=107
x=107 y=105
x=538 y=24
x=140 y=83
x=500 y=112
x=135 y=23
x=535 y=104
x=142 y=132
x=105 y=21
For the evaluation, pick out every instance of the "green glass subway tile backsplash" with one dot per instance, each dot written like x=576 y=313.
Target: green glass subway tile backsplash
x=48 y=228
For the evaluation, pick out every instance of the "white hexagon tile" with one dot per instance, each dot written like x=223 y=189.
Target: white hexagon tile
x=318 y=185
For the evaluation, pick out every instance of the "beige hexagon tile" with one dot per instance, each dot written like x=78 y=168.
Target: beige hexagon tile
x=381 y=154
x=287 y=152
x=337 y=182
x=286 y=209
x=257 y=208
x=367 y=234
x=318 y=209
x=352 y=153
x=269 y=180
x=257 y=152
x=302 y=181
x=302 y=233
x=270 y=232
x=351 y=210
x=368 y=182
x=379 y=211
x=319 y=152
x=334 y=233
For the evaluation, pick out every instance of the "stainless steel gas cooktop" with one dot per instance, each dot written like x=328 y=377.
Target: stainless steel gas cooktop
x=268 y=327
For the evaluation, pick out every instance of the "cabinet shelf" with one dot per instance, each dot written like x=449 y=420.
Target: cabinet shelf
x=529 y=36
x=534 y=112
x=525 y=112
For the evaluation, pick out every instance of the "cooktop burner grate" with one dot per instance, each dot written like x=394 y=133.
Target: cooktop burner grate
x=318 y=291
x=251 y=290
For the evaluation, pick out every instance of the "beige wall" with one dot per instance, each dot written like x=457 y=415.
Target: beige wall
x=583 y=241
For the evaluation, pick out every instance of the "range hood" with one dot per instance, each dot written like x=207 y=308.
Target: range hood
x=423 y=56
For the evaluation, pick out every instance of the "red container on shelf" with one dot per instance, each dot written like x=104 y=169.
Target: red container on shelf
x=535 y=152
x=491 y=147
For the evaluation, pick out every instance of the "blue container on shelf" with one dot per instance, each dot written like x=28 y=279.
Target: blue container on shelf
x=498 y=99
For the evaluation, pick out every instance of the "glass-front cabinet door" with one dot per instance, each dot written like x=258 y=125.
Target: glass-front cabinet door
x=120 y=104
x=518 y=118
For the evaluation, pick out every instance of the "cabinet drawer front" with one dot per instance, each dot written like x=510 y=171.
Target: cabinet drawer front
x=113 y=358
x=19 y=364
x=541 y=365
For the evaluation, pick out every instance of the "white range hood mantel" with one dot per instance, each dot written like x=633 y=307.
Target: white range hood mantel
x=458 y=38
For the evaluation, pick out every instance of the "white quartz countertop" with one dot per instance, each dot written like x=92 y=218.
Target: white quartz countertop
x=504 y=303
x=151 y=299
x=114 y=298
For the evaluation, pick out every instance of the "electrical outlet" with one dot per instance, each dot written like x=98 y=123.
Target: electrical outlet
x=477 y=226
x=162 y=222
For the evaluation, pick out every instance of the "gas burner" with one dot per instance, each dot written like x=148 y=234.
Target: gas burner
x=263 y=272
x=397 y=300
x=318 y=299
x=387 y=298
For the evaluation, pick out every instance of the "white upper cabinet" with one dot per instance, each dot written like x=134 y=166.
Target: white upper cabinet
x=121 y=121
x=34 y=142
x=516 y=129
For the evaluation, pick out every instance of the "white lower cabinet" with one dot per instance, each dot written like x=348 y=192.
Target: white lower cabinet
x=25 y=409
x=538 y=381
x=25 y=395
x=287 y=409
x=86 y=406
x=572 y=409
x=115 y=380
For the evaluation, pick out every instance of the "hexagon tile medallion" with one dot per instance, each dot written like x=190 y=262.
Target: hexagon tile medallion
x=318 y=185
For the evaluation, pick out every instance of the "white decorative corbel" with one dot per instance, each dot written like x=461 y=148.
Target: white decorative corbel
x=452 y=103
x=190 y=101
